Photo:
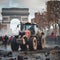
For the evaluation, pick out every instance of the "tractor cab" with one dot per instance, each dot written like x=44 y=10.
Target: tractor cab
x=27 y=38
x=29 y=26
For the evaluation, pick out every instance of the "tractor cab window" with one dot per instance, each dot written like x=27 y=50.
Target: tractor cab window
x=30 y=27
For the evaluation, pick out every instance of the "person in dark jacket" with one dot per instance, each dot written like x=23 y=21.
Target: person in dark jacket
x=14 y=44
x=39 y=37
x=5 y=40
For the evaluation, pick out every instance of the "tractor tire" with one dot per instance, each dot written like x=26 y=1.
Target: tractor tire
x=30 y=44
x=34 y=43
x=14 y=46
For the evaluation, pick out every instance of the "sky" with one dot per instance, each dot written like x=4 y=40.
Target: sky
x=33 y=5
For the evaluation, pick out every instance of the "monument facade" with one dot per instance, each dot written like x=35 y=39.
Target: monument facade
x=11 y=13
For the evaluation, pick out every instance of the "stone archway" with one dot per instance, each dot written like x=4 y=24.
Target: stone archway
x=11 y=13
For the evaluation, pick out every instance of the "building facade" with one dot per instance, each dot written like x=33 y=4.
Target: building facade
x=53 y=13
x=53 y=9
x=41 y=19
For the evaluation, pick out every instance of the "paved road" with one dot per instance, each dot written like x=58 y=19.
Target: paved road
x=33 y=55
x=29 y=56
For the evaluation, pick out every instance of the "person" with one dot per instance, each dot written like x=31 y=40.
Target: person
x=10 y=39
x=14 y=44
x=0 y=38
x=22 y=43
x=27 y=33
x=43 y=39
x=5 y=40
x=53 y=35
x=39 y=46
x=26 y=38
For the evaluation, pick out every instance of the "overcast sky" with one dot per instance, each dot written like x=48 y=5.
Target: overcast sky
x=33 y=5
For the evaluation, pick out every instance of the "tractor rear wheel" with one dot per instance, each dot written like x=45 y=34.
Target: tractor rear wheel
x=14 y=46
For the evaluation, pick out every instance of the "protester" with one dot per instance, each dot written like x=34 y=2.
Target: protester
x=53 y=35
x=5 y=40
x=10 y=39
x=0 y=38
x=14 y=44
x=43 y=39
x=39 y=46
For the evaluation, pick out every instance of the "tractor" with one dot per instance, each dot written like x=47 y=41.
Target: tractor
x=26 y=38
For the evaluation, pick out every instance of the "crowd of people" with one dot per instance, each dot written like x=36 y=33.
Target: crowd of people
x=6 y=40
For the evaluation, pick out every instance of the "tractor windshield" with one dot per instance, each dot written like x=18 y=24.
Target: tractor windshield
x=28 y=26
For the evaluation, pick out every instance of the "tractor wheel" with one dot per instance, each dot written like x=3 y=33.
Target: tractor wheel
x=34 y=43
x=14 y=46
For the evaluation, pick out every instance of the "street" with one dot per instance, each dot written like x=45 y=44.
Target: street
x=49 y=53
x=27 y=55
